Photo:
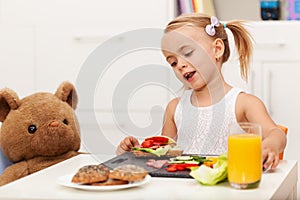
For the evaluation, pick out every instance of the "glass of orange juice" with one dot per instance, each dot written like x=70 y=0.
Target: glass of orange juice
x=245 y=155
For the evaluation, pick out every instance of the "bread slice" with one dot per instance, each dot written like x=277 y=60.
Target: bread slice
x=128 y=172
x=110 y=182
x=91 y=174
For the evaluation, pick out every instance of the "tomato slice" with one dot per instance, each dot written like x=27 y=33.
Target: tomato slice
x=158 y=139
x=180 y=167
x=157 y=144
x=147 y=144
x=171 y=169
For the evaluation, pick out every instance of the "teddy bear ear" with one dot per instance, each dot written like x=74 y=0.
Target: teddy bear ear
x=9 y=100
x=67 y=93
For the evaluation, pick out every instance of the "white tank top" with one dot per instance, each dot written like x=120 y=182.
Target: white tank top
x=204 y=130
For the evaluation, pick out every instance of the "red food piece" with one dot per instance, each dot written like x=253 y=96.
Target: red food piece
x=158 y=144
x=180 y=167
x=147 y=144
x=171 y=169
x=158 y=139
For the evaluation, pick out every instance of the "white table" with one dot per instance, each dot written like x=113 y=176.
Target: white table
x=278 y=184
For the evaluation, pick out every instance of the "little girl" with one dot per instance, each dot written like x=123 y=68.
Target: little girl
x=196 y=46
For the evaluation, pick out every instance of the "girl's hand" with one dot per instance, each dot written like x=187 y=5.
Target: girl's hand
x=126 y=144
x=270 y=158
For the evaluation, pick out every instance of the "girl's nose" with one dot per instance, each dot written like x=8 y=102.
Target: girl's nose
x=182 y=63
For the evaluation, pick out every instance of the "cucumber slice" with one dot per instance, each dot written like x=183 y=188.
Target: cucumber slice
x=191 y=162
x=184 y=158
x=176 y=162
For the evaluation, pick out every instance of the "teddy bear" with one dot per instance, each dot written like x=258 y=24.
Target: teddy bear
x=38 y=130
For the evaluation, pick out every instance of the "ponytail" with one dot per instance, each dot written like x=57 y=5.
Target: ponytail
x=243 y=44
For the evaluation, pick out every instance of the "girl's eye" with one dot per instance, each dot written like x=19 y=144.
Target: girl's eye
x=173 y=64
x=188 y=54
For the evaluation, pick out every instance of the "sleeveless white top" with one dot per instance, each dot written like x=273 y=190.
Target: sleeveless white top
x=204 y=130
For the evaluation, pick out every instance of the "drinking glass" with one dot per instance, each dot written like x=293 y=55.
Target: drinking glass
x=245 y=155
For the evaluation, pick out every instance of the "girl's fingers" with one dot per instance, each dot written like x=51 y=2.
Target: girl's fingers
x=275 y=162
x=134 y=141
x=127 y=144
x=270 y=161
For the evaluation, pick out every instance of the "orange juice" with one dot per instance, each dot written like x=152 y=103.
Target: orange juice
x=244 y=159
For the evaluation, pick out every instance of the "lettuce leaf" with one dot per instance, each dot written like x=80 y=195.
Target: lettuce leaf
x=211 y=176
x=158 y=152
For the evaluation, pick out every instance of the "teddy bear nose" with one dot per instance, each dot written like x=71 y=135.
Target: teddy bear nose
x=54 y=124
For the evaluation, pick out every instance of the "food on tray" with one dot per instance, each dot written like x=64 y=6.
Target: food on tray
x=181 y=163
x=156 y=163
x=159 y=146
x=210 y=161
x=128 y=173
x=91 y=174
x=208 y=175
x=100 y=175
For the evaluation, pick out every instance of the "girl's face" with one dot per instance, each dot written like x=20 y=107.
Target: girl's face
x=191 y=53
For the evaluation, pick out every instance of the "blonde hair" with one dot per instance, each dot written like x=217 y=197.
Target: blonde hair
x=242 y=38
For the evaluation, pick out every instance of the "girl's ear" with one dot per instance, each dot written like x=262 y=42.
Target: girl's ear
x=218 y=48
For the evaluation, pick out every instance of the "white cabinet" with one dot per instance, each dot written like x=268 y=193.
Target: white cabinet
x=100 y=13
x=46 y=42
x=60 y=54
x=65 y=32
x=282 y=96
x=17 y=65
x=277 y=75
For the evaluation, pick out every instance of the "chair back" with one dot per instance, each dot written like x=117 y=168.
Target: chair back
x=285 y=130
x=4 y=162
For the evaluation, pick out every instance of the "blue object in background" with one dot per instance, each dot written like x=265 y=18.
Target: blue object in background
x=4 y=162
x=292 y=9
x=270 y=9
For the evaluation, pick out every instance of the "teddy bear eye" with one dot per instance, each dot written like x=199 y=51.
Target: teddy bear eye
x=32 y=128
x=65 y=121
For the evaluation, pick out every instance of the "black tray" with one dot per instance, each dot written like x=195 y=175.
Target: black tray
x=130 y=158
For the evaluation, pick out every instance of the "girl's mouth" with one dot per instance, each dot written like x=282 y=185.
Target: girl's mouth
x=188 y=76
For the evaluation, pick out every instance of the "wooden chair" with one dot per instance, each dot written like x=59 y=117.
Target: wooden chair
x=285 y=130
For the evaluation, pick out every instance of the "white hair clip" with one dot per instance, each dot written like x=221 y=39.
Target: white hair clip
x=210 y=28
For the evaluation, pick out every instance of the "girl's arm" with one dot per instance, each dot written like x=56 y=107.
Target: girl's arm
x=169 y=128
x=274 y=139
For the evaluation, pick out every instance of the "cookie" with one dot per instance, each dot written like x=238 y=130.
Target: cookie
x=110 y=182
x=91 y=174
x=128 y=173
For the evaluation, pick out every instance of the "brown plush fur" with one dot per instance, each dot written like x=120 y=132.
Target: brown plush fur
x=38 y=131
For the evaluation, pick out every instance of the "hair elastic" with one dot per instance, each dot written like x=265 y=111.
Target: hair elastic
x=224 y=25
x=210 y=28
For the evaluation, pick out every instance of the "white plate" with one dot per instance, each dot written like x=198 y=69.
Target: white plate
x=66 y=181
